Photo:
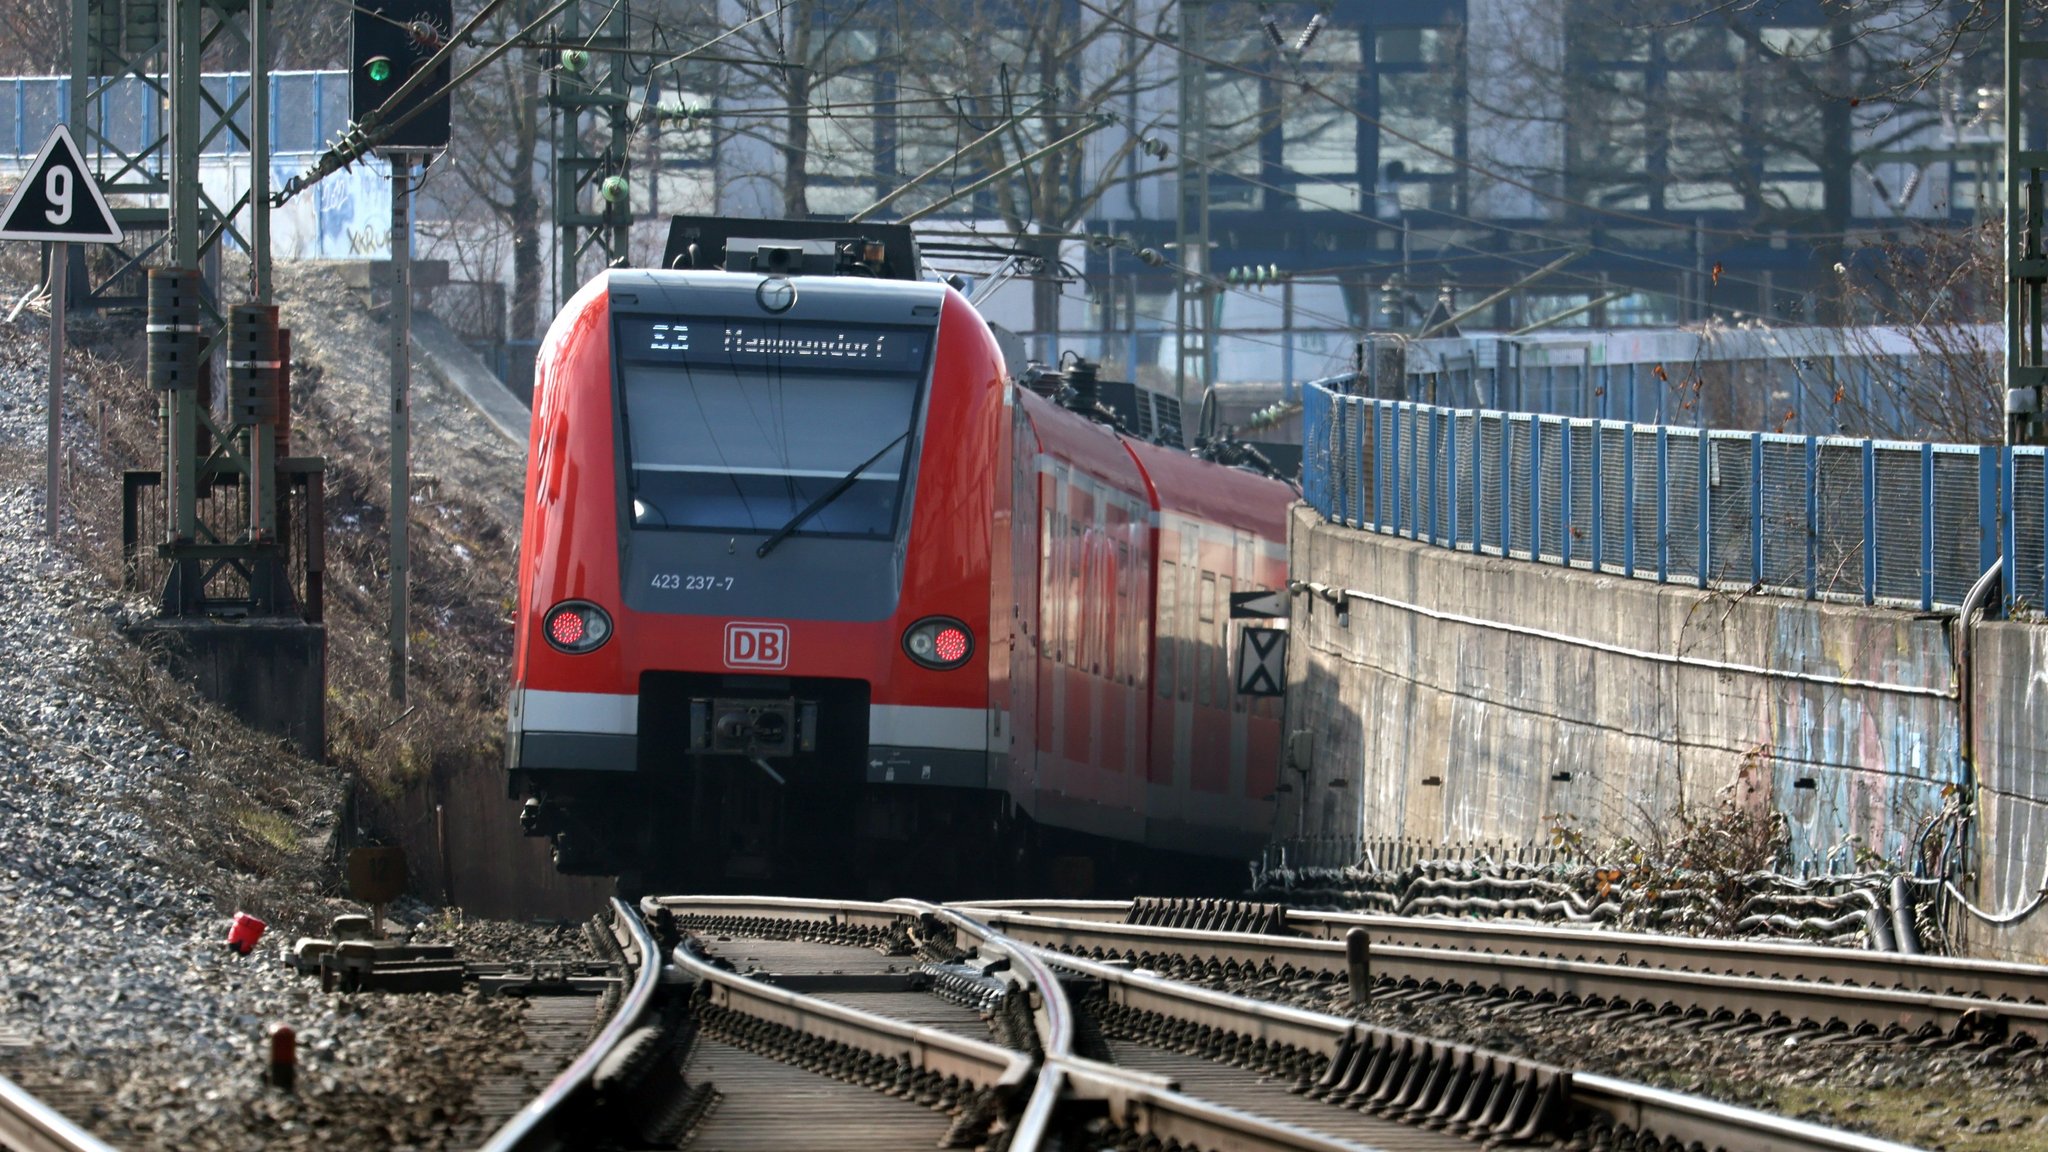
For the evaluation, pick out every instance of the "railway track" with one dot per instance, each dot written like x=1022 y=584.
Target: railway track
x=1717 y=984
x=1122 y=1057
x=1986 y=979
x=761 y=1023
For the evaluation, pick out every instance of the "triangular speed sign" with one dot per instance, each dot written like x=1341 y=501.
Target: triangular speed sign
x=59 y=199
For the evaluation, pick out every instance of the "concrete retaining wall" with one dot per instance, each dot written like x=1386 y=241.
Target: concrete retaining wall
x=2011 y=723
x=1473 y=699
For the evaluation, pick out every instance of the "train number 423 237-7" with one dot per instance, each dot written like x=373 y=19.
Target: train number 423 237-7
x=688 y=582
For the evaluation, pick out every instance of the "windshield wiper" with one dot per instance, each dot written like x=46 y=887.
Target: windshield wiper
x=826 y=497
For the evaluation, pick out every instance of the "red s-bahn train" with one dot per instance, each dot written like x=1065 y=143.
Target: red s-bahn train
x=813 y=596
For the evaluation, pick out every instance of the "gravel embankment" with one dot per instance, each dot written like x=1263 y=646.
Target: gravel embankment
x=118 y=873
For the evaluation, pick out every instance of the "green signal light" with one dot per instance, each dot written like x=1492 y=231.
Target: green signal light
x=378 y=68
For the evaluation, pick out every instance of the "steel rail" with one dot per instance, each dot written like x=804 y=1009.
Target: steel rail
x=796 y=909
x=976 y=1063
x=1948 y=975
x=545 y=1123
x=1168 y=1118
x=1692 y=1121
x=1149 y=1105
x=1115 y=910
x=1052 y=1014
x=29 y=1125
x=1739 y=997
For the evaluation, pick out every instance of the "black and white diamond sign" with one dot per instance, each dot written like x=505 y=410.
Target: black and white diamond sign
x=1262 y=662
x=59 y=200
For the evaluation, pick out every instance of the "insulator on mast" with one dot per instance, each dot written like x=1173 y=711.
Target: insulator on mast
x=1309 y=34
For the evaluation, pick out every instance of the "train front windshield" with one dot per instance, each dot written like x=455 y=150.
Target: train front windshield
x=742 y=425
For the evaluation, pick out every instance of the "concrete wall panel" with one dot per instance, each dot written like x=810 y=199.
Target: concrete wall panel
x=2011 y=699
x=1474 y=698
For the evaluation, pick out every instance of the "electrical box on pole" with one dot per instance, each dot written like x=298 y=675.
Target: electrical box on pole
x=390 y=41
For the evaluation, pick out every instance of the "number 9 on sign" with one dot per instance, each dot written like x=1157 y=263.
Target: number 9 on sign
x=57 y=188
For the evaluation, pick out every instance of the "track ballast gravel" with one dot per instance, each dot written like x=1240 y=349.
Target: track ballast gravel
x=118 y=1001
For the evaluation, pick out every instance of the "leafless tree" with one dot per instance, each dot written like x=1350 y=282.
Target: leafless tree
x=807 y=86
x=35 y=37
x=1022 y=78
x=1927 y=303
x=1758 y=116
x=492 y=199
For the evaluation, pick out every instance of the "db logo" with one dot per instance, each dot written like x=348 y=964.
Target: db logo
x=756 y=645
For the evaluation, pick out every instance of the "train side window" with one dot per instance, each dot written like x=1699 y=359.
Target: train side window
x=1205 y=651
x=1169 y=581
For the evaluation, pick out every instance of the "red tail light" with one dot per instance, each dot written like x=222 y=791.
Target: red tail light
x=939 y=642
x=576 y=627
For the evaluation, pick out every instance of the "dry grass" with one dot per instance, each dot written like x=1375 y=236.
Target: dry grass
x=462 y=584
x=263 y=823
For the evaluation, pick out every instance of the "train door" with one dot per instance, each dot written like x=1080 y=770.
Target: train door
x=1123 y=702
x=1097 y=602
x=1023 y=617
x=1109 y=602
x=1082 y=747
x=1242 y=579
x=1210 y=774
x=1053 y=634
x=1188 y=577
x=1163 y=707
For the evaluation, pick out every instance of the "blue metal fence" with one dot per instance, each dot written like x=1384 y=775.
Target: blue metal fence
x=1864 y=521
x=309 y=109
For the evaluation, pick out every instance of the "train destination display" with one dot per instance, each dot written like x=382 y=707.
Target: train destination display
x=782 y=344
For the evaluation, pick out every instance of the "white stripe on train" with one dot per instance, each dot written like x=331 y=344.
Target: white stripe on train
x=611 y=714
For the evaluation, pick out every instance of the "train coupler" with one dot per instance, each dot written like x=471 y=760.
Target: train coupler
x=538 y=818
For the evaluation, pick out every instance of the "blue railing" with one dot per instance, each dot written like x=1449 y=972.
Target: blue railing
x=308 y=110
x=1866 y=521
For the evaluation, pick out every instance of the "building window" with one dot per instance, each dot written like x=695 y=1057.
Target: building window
x=1419 y=101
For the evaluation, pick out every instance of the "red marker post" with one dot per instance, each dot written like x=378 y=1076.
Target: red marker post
x=284 y=1058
